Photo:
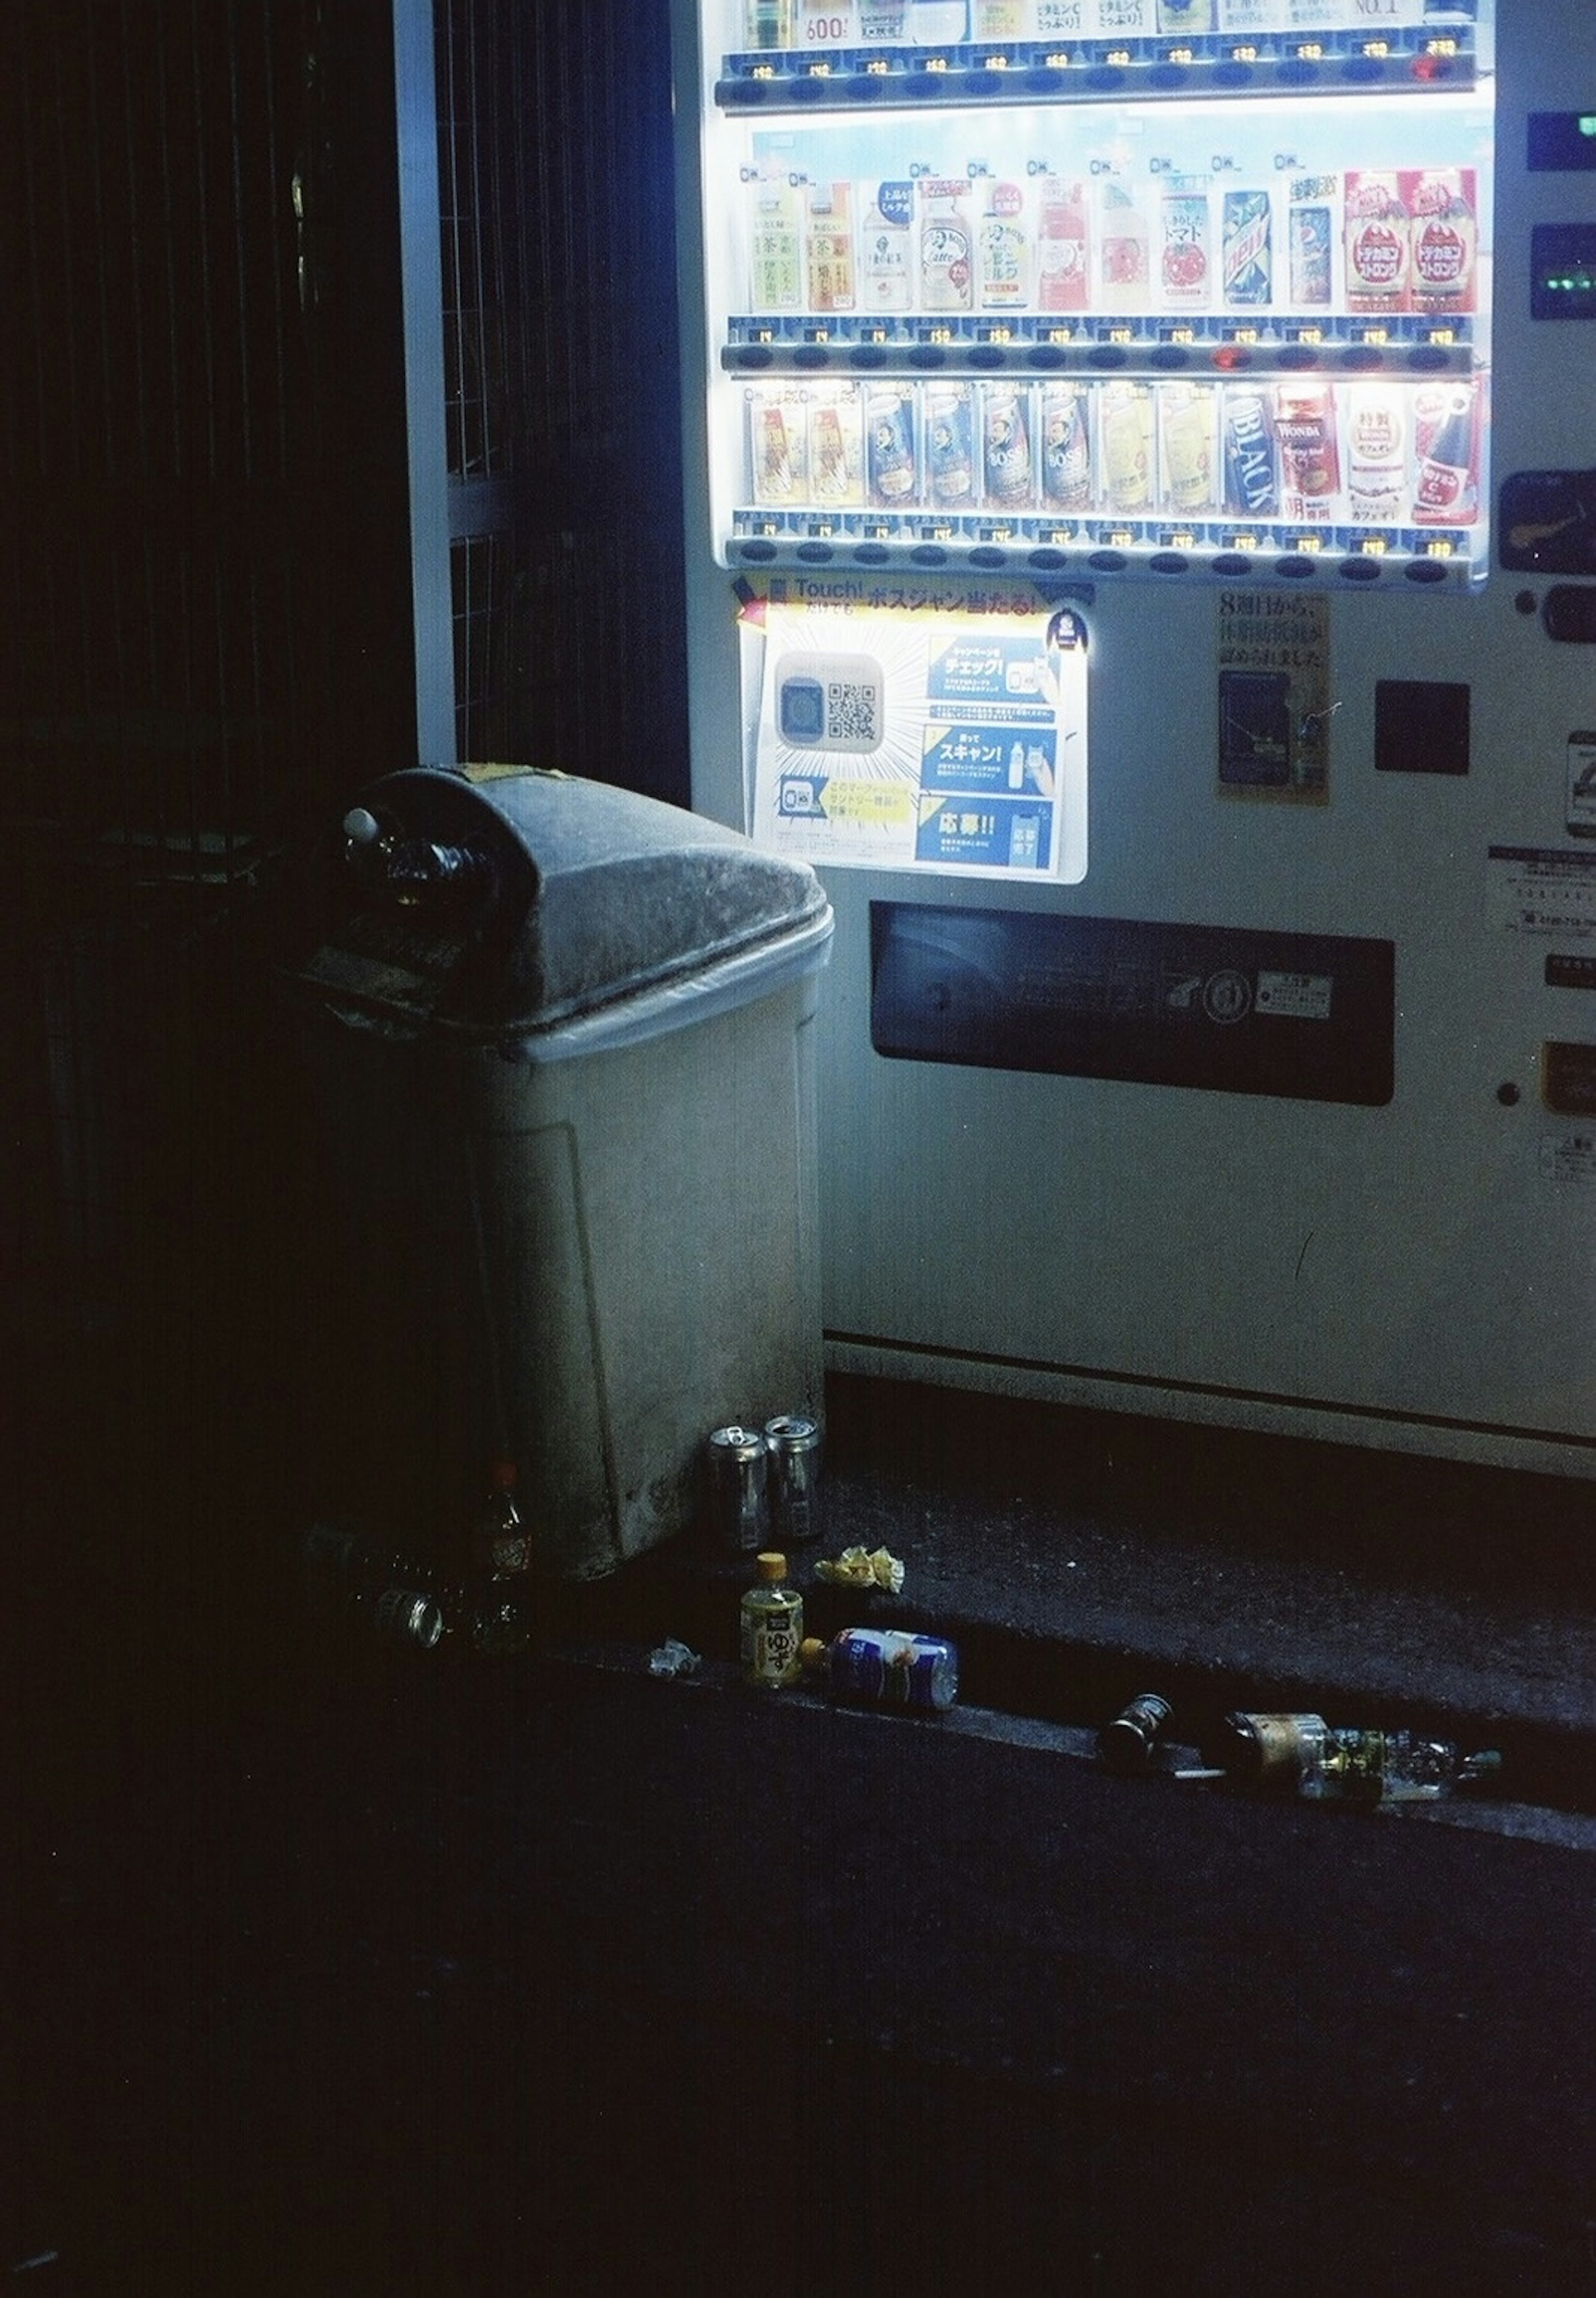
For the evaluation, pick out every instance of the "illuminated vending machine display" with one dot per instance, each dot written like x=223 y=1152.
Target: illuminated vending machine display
x=1007 y=296
x=1115 y=426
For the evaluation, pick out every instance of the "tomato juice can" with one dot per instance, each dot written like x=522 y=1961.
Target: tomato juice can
x=1186 y=253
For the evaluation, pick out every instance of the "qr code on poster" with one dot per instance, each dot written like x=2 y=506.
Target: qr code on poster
x=831 y=702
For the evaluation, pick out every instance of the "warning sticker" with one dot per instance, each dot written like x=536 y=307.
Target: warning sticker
x=1543 y=890
x=1304 y=996
x=1569 y=1159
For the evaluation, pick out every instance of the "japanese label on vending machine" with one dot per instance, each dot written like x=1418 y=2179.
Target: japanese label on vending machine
x=948 y=736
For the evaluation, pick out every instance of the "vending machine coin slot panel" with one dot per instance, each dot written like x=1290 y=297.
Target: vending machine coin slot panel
x=1307 y=1017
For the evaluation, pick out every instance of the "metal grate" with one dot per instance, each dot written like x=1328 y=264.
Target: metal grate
x=563 y=419
x=480 y=566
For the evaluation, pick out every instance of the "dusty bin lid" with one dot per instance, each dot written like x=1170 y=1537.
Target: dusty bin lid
x=550 y=913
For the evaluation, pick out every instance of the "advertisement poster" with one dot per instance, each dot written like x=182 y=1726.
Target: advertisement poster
x=1274 y=705
x=910 y=736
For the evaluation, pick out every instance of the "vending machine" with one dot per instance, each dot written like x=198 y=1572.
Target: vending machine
x=1142 y=548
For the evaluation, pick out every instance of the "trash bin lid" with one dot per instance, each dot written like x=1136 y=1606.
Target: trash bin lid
x=510 y=901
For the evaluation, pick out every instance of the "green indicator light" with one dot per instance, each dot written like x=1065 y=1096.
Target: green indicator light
x=1587 y=123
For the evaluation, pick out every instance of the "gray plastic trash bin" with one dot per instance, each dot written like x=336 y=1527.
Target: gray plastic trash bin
x=563 y=1040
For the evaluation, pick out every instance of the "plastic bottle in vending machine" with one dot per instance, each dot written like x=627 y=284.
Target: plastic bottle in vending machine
x=829 y=248
x=1061 y=272
x=886 y=249
x=768 y=23
x=1184 y=19
x=775 y=246
x=1377 y=452
x=1124 y=281
x=947 y=246
x=938 y=23
x=1446 y=492
x=1000 y=19
x=1003 y=249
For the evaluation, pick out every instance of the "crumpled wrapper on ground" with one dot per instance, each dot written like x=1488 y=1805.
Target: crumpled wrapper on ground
x=673 y=1657
x=864 y=1567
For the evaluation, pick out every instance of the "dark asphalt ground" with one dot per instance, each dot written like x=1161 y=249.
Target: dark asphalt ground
x=339 y=1975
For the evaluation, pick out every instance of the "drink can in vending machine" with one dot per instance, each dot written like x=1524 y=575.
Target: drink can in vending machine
x=1186 y=258
x=1252 y=484
x=1187 y=447
x=836 y=445
x=1124 y=418
x=1062 y=246
x=1310 y=242
x=1008 y=471
x=1374 y=233
x=1246 y=250
x=892 y=479
x=886 y=249
x=1442 y=237
x=1309 y=456
x=1446 y=492
x=948 y=416
x=778 y=443
x=1066 y=446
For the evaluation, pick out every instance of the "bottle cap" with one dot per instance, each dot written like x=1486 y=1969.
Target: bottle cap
x=771 y=1565
x=811 y=1651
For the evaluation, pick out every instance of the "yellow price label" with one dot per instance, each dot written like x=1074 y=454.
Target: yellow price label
x=887 y=803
